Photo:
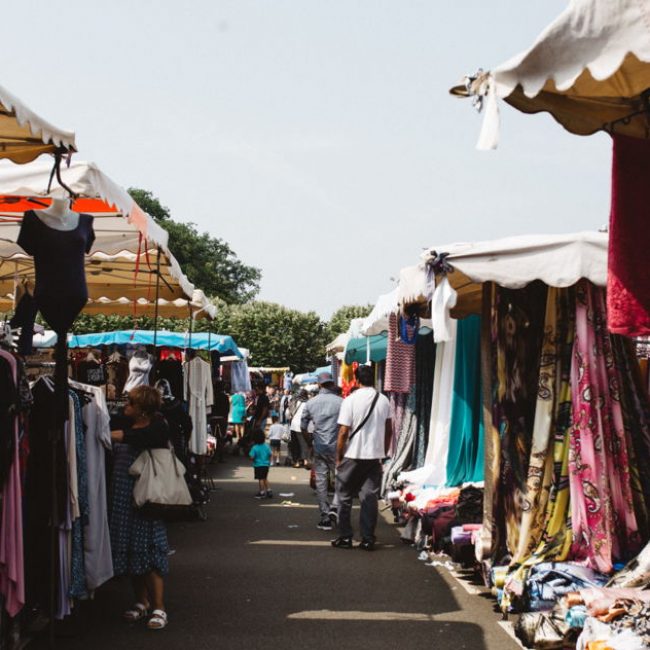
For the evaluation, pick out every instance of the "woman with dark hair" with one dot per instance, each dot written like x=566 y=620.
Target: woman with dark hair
x=139 y=546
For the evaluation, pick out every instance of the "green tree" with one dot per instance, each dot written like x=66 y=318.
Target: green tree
x=275 y=335
x=340 y=320
x=208 y=261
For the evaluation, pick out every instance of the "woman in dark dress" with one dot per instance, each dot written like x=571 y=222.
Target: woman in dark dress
x=139 y=545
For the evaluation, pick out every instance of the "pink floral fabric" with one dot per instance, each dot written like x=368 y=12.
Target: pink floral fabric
x=602 y=511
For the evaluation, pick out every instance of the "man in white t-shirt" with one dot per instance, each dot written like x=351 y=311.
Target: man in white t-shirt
x=365 y=431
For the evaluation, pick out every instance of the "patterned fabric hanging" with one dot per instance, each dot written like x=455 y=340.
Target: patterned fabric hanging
x=400 y=361
x=604 y=523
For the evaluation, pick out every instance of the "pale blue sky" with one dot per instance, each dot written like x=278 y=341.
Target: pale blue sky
x=317 y=137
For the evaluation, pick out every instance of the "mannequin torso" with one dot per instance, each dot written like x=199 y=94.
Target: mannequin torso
x=58 y=215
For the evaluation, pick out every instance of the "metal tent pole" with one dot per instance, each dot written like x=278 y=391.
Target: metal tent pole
x=155 y=318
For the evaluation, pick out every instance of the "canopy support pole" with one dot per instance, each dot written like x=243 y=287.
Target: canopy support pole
x=155 y=318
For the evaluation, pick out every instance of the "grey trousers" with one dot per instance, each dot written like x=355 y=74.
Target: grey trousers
x=324 y=465
x=360 y=478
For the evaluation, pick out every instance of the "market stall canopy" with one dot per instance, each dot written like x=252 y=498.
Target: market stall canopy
x=513 y=262
x=377 y=320
x=337 y=346
x=590 y=69
x=123 y=260
x=27 y=187
x=358 y=349
x=24 y=135
x=197 y=340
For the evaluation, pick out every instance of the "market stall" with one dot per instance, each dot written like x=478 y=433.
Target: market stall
x=505 y=461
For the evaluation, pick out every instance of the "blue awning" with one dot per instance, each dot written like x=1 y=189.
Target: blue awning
x=357 y=349
x=198 y=341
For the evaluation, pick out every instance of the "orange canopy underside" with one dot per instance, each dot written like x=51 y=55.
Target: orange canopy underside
x=20 y=204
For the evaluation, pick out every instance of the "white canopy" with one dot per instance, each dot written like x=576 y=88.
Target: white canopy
x=377 y=320
x=86 y=180
x=24 y=135
x=122 y=264
x=588 y=69
x=514 y=262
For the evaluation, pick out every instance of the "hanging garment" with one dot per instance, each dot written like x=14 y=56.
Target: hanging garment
x=240 y=381
x=628 y=288
x=403 y=457
x=91 y=371
x=198 y=392
x=602 y=508
x=171 y=370
x=444 y=299
x=117 y=372
x=139 y=368
x=98 y=561
x=465 y=457
x=441 y=400
x=397 y=407
x=546 y=523
x=400 y=361
x=60 y=290
x=425 y=359
x=635 y=407
x=518 y=329
x=81 y=511
x=24 y=317
x=12 y=573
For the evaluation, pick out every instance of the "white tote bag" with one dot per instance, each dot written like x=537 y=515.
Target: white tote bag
x=159 y=479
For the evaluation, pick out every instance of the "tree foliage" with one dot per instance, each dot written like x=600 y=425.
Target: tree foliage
x=275 y=335
x=340 y=321
x=208 y=261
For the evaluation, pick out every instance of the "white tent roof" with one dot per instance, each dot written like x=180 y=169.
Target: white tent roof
x=377 y=320
x=121 y=264
x=588 y=68
x=514 y=262
x=25 y=135
x=86 y=180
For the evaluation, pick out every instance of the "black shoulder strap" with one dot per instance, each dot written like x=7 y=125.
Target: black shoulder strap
x=368 y=414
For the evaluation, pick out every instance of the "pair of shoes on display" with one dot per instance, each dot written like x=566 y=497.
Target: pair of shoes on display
x=367 y=545
x=342 y=542
x=324 y=524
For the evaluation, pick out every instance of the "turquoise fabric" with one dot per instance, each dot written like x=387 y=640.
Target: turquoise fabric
x=465 y=461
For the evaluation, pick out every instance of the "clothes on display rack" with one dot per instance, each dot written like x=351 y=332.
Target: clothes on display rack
x=117 y=372
x=425 y=359
x=400 y=361
x=240 y=381
x=60 y=289
x=602 y=509
x=91 y=371
x=25 y=317
x=199 y=394
x=628 y=288
x=172 y=370
x=465 y=455
x=140 y=366
x=12 y=575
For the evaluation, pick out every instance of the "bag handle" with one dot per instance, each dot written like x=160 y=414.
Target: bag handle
x=153 y=462
x=368 y=414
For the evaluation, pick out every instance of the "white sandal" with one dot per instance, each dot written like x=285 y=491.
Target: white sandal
x=158 y=620
x=136 y=613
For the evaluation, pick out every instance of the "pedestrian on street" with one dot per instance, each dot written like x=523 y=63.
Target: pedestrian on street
x=323 y=413
x=237 y=414
x=298 y=444
x=364 y=438
x=139 y=545
x=276 y=433
x=261 y=456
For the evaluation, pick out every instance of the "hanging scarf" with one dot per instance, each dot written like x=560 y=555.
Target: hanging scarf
x=604 y=524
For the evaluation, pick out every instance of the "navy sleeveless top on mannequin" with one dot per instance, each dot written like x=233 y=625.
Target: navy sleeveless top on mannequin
x=60 y=289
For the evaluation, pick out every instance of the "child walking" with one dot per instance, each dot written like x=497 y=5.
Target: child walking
x=261 y=456
x=275 y=439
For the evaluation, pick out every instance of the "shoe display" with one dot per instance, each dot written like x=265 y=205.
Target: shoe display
x=342 y=542
x=367 y=545
x=324 y=524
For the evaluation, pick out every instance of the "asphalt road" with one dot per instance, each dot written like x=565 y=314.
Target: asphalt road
x=259 y=575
